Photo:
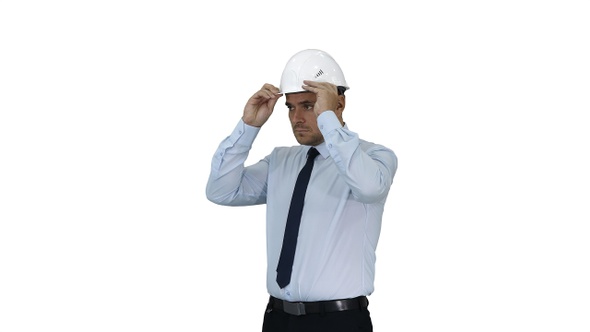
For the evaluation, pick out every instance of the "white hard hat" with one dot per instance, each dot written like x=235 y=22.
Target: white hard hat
x=313 y=65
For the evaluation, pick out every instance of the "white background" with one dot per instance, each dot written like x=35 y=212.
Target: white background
x=111 y=110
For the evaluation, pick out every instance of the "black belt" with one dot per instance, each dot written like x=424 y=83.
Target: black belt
x=304 y=308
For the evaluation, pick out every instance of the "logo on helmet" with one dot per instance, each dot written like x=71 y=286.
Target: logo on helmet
x=319 y=73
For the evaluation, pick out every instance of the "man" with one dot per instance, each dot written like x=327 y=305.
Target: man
x=320 y=254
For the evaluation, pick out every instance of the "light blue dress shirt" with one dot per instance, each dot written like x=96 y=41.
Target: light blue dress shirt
x=344 y=202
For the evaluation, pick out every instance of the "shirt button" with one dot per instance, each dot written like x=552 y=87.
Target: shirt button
x=322 y=127
x=329 y=146
x=240 y=132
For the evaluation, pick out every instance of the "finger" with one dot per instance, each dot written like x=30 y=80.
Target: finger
x=324 y=85
x=265 y=94
x=313 y=86
x=271 y=88
x=317 y=87
x=312 y=83
x=310 y=88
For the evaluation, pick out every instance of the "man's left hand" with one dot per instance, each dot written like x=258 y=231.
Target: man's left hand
x=326 y=93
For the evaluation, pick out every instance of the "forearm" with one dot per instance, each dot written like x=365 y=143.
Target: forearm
x=230 y=182
x=367 y=168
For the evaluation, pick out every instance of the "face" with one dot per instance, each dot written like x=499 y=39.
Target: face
x=303 y=118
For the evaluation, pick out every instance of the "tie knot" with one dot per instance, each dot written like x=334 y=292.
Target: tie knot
x=312 y=153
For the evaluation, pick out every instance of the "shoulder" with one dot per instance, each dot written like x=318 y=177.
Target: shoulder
x=370 y=146
x=379 y=152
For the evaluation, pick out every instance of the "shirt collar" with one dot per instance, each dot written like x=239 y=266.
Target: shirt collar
x=323 y=149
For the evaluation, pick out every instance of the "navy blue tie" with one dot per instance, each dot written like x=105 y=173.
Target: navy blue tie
x=285 y=265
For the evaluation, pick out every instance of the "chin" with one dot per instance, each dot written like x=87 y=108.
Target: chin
x=311 y=140
x=302 y=142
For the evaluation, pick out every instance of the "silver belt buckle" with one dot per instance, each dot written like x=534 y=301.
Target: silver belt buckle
x=294 y=308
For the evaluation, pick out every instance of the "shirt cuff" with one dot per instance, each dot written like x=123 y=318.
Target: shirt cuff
x=328 y=121
x=244 y=134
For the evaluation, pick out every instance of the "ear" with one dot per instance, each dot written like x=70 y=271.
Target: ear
x=340 y=109
x=341 y=103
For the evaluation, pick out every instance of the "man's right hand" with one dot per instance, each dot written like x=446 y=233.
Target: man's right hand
x=260 y=106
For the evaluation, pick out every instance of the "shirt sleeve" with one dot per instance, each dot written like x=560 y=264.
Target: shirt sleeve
x=230 y=182
x=367 y=169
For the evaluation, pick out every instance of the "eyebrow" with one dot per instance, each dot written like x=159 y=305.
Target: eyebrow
x=303 y=102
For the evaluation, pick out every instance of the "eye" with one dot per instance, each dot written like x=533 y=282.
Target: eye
x=309 y=107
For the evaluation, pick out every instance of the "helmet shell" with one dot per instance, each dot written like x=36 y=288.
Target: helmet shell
x=314 y=65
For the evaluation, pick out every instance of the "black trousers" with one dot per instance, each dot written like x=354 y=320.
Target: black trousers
x=340 y=321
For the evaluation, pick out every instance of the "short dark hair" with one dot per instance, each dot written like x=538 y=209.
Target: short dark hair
x=341 y=90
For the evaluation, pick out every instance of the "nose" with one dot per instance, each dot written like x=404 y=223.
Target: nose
x=297 y=115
